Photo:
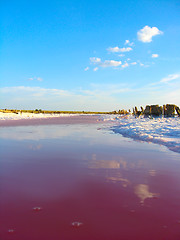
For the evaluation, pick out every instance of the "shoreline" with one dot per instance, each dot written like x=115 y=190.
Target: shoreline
x=162 y=131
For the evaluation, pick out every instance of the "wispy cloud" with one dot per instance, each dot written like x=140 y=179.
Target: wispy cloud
x=145 y=34
x=170 y=77
x=108 y=89
x=142 y=64
x=117 y=49
x=34 y=91
x=113 y=96
x=94 y=89
x=90 y=99
x=35 y=79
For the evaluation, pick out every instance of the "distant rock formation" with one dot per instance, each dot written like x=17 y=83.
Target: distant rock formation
x=177 y=110
x=168 y=110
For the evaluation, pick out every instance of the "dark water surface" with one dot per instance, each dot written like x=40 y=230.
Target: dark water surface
x=80 y=182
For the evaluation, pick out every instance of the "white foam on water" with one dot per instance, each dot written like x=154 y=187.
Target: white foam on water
x=160 y=130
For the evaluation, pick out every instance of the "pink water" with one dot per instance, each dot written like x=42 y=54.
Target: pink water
x=81 y=182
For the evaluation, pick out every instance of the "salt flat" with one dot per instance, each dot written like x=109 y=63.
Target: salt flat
x=19 y=116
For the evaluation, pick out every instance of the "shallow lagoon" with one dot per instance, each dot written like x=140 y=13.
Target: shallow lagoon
x=84 y=182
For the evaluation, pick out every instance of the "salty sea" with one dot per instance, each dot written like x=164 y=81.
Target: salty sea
x=113 y=179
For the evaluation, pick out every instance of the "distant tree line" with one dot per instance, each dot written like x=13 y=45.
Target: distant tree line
x=150 y=110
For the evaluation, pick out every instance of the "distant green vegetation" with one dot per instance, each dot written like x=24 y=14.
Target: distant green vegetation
x=36 y=111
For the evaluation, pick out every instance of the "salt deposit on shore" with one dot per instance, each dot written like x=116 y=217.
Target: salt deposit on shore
x=164 y=131
x=19 y=116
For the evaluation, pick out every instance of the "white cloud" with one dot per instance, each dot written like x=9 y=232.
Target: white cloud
x=117 y=49
x=110 y=63
x=128 y=49
x=125 y=65
x=155 y=55
x=86 y=69
x=170 y=77
x=127 y=42
x=121 y=55
x=145 y=34
x=95 y=69
x=114 y=49
x=95 y=60
x=39 y=79
x=106 y=63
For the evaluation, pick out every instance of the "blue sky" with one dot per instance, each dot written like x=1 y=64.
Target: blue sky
x=89 y=55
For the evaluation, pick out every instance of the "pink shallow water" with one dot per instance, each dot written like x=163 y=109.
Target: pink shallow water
x=82 y=182
x=76 y=119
